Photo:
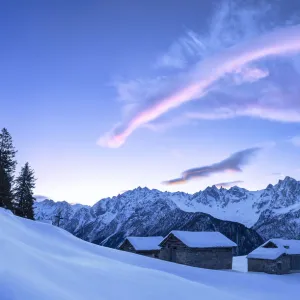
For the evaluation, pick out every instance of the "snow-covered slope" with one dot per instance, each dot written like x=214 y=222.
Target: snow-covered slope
x=140 y=213
x=243 y=206
x=273 y=212
x=42 y=262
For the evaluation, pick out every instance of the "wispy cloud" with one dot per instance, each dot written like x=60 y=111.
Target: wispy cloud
x=228 y=184
x=276 y=174
x=249 y=74
x=275 y=99
x=234 y=66
x=189 y=46
x=231 y=23
x=272 y=105
x=233 y=163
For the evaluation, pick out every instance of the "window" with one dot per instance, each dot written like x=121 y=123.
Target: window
x=270 y=245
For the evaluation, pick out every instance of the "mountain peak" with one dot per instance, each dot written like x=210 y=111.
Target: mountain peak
x=286 y=181
x=288 y=178
x=40 y=198
x=139 y=188
x=211 y=188
x=212 y=191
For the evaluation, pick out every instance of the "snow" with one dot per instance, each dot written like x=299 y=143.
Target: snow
x=203 y=239
x=290 y=246
x=108 y=217
x=240 y=263
x=284 y=210
x=237 y=209
x=283 y=247
x=145 y=243
x=42 y=262
x=266 y=253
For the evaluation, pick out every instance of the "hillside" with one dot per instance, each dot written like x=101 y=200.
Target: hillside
x=42 y=262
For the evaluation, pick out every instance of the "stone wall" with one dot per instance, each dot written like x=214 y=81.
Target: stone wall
x=281 y=265
x=126 y=246
x=295 y=262
x=153 y=253
x=210 y=258
x=170 y=247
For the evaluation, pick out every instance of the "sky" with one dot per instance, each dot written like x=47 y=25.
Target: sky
x=105 y=96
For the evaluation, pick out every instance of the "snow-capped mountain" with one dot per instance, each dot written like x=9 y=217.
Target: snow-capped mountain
x=278 y=204
x=272 y=212
x=141 y=212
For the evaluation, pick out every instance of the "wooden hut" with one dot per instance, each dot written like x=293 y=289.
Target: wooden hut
x=210 y=250
x=276 y=256
x=148 y=246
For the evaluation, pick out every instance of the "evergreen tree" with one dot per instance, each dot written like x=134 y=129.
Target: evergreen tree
x=7 y=168
x=5 y=190
x=25 y=183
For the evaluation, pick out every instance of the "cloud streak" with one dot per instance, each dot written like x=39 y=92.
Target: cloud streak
x=205 y=74
x=254 y=109
x=233 y=163
x=228 y=184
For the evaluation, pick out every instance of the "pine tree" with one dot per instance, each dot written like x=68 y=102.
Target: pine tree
x=5 y=190
x=7 y=168
x=25 y=183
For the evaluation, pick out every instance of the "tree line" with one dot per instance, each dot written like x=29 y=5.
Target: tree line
x=16 y=193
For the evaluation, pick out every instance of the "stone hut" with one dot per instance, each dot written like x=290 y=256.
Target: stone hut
x=148 y=246
x=276 y=256
x=210 y=250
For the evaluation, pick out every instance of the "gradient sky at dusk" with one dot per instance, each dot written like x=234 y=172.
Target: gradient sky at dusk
x=77 y=76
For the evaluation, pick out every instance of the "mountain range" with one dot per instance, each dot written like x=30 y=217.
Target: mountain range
x=246 y=217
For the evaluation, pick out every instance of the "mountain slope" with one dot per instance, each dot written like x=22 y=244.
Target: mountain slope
x=273 y=212
x=40 y=261
x=141 y=212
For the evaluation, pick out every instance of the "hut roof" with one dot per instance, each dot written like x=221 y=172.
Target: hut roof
x=202 y=239
x=145 y=243
x=279 y=247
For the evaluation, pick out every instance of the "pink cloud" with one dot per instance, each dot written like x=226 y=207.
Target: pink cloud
x=249 y=74
x=254 y=110
x=207 y=73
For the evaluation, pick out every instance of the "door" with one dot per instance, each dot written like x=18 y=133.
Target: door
x=295 y=262
x=279 y=267
x=173 y=254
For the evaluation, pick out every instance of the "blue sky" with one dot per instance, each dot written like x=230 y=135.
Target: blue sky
x=105 y=96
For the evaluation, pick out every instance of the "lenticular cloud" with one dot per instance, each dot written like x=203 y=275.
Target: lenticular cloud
x=206 y=73
x=233 y=163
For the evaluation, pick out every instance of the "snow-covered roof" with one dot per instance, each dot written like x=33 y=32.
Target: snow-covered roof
x=145 y=243
x=202 y=239
x=288 y=247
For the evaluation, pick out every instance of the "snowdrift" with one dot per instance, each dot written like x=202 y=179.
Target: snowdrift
x=41 y=262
